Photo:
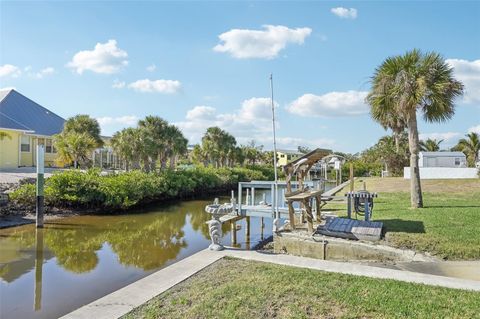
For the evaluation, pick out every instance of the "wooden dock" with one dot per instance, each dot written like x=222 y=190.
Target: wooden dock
x=352 y=229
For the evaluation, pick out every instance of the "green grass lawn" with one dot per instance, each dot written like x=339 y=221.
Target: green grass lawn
x=232 y=288
x=448 y=226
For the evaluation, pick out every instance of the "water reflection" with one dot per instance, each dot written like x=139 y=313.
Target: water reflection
x=76 y=260
x=38 y=268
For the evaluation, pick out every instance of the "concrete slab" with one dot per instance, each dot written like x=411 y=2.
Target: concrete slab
x=357 y=269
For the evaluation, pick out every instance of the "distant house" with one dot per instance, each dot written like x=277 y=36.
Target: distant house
x=441 y=165
x=442 y=159
x=25 y=124
x=285 y=156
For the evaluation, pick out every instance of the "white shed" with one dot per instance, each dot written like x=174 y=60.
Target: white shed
x=442 y=159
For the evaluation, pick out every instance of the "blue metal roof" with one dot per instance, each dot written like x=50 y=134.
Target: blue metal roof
x=18 y=112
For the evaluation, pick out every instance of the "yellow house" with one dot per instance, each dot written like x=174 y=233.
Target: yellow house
x=285 y=156
x=25 y=124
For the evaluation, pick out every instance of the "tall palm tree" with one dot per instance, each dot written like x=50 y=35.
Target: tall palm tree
x=156 y=131
x=129 y=144
x=470 y=146
x=410 y=83
x=430 y=145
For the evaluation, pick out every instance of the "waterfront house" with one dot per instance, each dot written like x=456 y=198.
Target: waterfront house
x=24 y=124
x=285 y=156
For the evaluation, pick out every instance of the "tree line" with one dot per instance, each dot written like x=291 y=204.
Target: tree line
x=153 y=145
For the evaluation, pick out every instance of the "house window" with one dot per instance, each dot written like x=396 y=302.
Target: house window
x=48 y=146
x=457 y=161
x=25 y=143
x=41 y=141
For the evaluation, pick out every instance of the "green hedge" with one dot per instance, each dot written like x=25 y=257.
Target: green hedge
x=91 y=189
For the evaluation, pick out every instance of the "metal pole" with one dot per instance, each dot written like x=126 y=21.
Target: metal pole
x=40 y=183
x=274 y=199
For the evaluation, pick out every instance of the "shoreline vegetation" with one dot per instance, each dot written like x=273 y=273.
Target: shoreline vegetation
x=91 y=191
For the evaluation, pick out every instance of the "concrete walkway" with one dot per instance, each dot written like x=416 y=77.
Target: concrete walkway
x=124 y=300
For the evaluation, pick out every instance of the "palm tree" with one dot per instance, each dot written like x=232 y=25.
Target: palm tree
x=84 y=124
x=155 y=129
x=411 y=83
x=430 y=145
x=73 y=147
x=218 y=145
x=470 y=146
x=129 y=145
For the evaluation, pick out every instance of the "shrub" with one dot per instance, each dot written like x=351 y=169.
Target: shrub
x=91 y=189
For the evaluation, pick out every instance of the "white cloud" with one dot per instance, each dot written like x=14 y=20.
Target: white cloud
x=475 y=129
x=105 y=58
x=126 y=120
x=117 y=84
x=469 y=73
x=10 y=70
x=331 y=104
x=266 y=43
x=345 y=13
x=151 y=68
x=447 y=137
x=201 y=113
x=252 y=120
x=42 y=73
x=160 y=86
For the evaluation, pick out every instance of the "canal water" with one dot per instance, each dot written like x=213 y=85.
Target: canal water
x=73 y=261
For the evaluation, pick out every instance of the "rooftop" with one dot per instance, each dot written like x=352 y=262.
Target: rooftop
x=17 y=112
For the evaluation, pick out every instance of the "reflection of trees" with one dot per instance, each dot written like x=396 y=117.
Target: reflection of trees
x=146 y=241
x=149 y=245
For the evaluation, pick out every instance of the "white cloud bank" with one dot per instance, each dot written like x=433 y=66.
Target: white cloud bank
x=10 y=70
x=344 y=13
x=252 y=120
x=332 y=104
x=265 y=44
x=105 y=58
x=127 y=120
x=159 y=86
x=469 y=73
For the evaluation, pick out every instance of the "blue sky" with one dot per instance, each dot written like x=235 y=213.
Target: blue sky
x=199 y=64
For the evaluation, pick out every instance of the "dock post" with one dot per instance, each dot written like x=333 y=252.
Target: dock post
x=262 y=226
x=253 y=196
x=318 y=202
x=247 y=232
x=367 y=208
x=239 y=198
x=233 y=230
x=349 y=204
x=40 y=184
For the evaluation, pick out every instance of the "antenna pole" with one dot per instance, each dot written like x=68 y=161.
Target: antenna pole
x=274 y=199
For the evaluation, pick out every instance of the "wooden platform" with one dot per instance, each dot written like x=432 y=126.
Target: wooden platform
x=352 y=229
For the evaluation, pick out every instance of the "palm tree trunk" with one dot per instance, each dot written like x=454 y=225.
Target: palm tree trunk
x=396 y=136
x=415 y=187
x=172 y=161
